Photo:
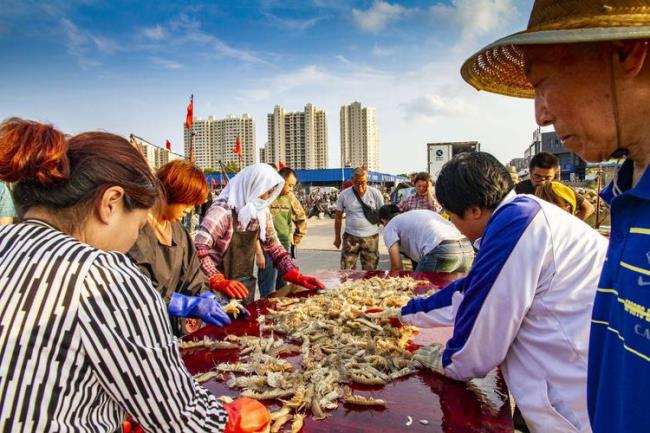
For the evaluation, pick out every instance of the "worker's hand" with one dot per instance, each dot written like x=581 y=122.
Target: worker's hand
x=337 y=242
x=393 y=315
x=230 y=288
x=297 y=240
x=261 y=262
x=246 y=415
x=294 y=276
x=431 y=357
x=205 y=307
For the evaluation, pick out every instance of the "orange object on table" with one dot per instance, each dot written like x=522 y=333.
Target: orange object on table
x=246 y=415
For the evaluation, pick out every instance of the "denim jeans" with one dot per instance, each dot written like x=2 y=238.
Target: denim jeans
x=448 y=256
x=268 y=278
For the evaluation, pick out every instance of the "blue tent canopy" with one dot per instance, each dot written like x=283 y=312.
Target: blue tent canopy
x=336 y=175
x=323 y=176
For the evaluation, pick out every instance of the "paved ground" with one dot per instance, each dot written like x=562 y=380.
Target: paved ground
x=317 y=250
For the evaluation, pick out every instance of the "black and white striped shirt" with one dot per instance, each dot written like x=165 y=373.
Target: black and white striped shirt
x=85 y=339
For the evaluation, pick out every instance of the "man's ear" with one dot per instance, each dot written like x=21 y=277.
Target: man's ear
x=110 y=203
x=631 y=55
x=474 y=212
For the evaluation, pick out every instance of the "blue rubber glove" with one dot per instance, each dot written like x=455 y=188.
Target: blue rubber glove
x=205 y=307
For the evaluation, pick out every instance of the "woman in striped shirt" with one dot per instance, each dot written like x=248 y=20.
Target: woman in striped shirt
x=84 y=337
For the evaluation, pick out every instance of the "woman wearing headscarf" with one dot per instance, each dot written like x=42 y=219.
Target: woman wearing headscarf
x=165 y=252
x=85 y=337
x=225 y=242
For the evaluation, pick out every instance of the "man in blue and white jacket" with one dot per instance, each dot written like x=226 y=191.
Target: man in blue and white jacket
x=525 y=304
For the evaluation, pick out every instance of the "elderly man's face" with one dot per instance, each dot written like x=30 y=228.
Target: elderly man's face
x=360 y=184
x=573 y=93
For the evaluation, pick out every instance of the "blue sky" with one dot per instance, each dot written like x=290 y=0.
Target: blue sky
x=130 y=67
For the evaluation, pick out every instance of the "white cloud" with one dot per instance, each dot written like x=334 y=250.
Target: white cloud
x=190 y=32
x=155 y=33
x=474 y=18
x=104 y=44
x=292 y=24
x=254 y=96
x=382 y=51
x=166 y=63
x=84 y=45
x=378 y=16
x=344 y=60
x=222 y=48
x=306 y=76
x=429 y=107
x=157 y=41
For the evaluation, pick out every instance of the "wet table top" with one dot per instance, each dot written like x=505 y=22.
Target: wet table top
x=448 y=406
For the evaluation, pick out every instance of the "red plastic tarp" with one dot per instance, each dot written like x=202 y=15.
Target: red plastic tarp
x=446 y=405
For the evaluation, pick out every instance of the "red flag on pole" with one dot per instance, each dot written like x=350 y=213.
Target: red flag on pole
x=190 y=113
x=168 y=145
x=237 y=148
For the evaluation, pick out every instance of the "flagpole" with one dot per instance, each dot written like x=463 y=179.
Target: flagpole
x=189 y=124
x=342 y=168
x=223 y=170
x=237 y=149
x=598 y=188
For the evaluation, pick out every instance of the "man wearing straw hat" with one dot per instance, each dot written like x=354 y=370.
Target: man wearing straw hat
x=587 y=65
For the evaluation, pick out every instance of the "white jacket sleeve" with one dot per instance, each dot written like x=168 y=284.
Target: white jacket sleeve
x=439 y=309
x=499 y=290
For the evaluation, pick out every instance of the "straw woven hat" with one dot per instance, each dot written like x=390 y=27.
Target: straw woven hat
x=499 y=67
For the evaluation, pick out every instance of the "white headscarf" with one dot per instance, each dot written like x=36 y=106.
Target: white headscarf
x=247 y=185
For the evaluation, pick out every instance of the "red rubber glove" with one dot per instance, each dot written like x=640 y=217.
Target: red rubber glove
x=130 y=426
x=294 y=276
x=230 y=288
x=246 y=415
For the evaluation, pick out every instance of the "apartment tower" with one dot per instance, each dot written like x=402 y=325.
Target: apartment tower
x=359 y=138
x=297 y=139
x=215 y=140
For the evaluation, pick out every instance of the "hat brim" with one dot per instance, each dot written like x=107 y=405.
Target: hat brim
x=499 y=67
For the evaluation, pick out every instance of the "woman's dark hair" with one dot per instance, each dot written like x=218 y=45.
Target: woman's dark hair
x=285 y=172
x=388 y=211
x=472 y=179
x=183 y=183
x=544 y=160
x=422 y=176
x=68 y=175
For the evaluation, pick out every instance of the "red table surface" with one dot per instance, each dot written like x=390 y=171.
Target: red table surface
x=448 y=406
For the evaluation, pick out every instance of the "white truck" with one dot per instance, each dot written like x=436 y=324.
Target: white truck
x=439 y=153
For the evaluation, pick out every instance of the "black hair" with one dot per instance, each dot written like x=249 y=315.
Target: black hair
x=285 y=172
x=472 y=179
x=544 y=160
x=388 y=211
